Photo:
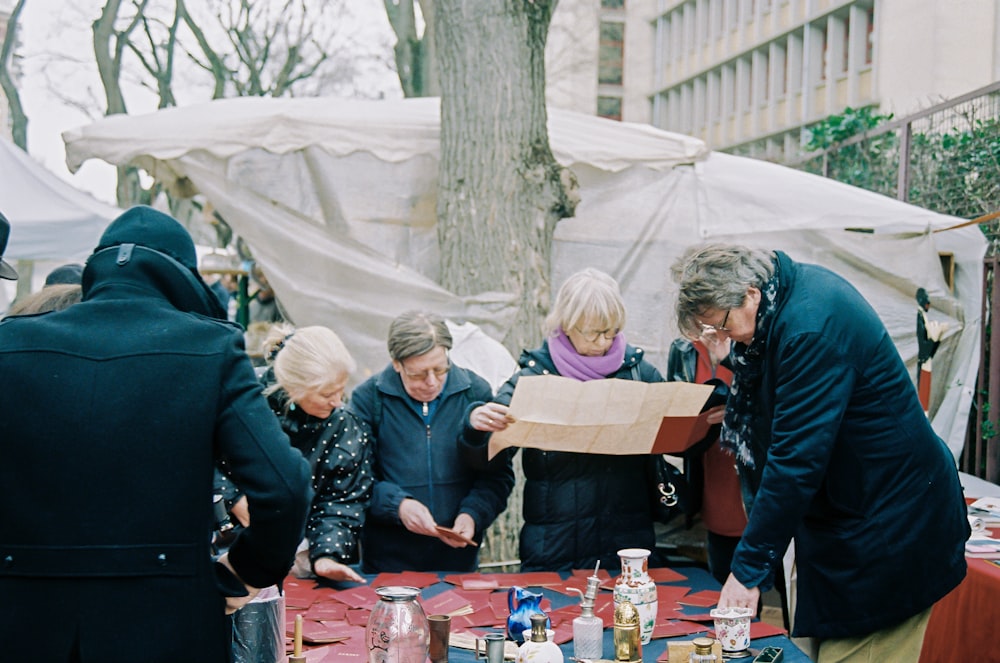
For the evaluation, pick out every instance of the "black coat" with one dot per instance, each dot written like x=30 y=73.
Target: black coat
x=417 y=457
x=578 y=507
x=847 y=463
x=112 y=416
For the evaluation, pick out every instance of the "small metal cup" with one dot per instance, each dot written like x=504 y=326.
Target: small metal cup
x=440 y=627
x=493 y=648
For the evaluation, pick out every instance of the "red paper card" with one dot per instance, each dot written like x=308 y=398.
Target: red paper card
x=358 y=616
x=405 y=579
x=563 y=633
x=476 y=599
x=479 y=618
x=675 y=627
x=705 y=598
x=664 y=574
x=448 y=533
x=445 y=603
x=326 y=610
x=362 y=596
x=537 y=579
x=671 y=595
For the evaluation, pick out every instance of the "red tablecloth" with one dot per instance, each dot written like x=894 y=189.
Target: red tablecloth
x=964 y=623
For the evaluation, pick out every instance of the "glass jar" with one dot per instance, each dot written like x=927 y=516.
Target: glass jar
x=397 y=627
x=703 y=651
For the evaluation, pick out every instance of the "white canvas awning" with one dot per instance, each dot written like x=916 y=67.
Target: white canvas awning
x=337 y=200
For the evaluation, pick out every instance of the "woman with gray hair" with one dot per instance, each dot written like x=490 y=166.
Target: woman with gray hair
x=430 y=508
x=833 y=448
x=578 y=507
x=307 y=374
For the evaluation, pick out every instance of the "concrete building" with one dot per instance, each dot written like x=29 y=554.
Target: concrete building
x=747 y=75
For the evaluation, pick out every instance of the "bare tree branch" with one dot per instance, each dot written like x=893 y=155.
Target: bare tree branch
x=19 y=120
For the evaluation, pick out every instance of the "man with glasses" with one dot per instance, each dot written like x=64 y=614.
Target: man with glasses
x=429 y=508
x=833 y=449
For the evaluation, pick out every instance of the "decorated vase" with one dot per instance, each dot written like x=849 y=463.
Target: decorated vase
x=635 y=585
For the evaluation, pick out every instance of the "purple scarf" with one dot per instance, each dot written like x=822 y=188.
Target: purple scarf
x=571 y=364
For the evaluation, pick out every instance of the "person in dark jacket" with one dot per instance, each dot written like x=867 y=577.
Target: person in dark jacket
x=6 y=271
x=833 y=449
x=114 y=414
x=578 y=507
x=308 y=372
x=416 y=409
x=712 y=471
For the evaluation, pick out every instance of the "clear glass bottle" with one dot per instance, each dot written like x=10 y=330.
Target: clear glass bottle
x=588 y=628
x=702 y=651
x=397 y=627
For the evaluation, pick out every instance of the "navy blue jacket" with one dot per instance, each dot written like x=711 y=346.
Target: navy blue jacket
x=415 y=458
x=848 y=464
x=579 y=508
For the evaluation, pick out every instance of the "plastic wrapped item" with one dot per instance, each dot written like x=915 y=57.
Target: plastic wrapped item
x=259 y=629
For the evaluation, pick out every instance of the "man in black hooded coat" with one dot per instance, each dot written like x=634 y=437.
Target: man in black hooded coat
x=112 y=416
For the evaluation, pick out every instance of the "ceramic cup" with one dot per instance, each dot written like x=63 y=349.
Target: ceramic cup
x=732 y=628
x=440 y=627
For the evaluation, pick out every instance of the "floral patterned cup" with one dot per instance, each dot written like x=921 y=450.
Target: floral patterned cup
x=732 y=628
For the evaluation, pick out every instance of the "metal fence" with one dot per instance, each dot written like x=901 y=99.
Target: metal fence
x=947 y=159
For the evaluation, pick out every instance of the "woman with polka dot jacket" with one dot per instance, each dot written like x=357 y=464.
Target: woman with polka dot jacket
x=308 y=372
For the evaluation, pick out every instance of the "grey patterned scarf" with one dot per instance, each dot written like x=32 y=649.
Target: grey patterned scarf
x=742 y=408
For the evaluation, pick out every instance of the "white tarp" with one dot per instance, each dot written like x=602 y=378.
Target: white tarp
x=49 y=218
x=337 y=200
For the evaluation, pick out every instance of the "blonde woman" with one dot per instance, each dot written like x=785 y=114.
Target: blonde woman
x=578 y=507
x=308 y=369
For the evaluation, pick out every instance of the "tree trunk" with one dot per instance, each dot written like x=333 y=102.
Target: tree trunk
x=18 y=120
x=500 y=191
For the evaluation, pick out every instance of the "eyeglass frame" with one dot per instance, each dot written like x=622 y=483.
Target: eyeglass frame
x=438 y=371
x=718 y=328
x=592 y=337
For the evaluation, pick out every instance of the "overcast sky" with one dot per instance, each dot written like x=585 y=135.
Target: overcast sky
x=58 y=64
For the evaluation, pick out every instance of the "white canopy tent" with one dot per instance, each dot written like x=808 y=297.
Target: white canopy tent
x=50 y=220
x=337 y=200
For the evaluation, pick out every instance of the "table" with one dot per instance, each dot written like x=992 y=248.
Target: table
x=300 y=592
x=963 y=624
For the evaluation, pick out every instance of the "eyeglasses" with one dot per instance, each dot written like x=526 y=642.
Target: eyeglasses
x=438 y=371
x=591 y=336
x=718 y=328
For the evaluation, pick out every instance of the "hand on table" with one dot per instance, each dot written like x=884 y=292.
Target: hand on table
x=416 y=517
x=327 y=567
x=735 y=595
x=490 y=418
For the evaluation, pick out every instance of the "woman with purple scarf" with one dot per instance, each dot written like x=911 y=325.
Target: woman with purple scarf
x=578 y=507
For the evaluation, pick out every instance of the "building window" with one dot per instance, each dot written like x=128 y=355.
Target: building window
x=610 y=107
x=611 y=53
x=613 y=4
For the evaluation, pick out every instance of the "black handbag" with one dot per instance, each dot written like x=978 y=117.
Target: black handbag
x=671 y=493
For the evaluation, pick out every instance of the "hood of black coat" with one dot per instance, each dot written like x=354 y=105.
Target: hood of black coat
x=151 y=250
